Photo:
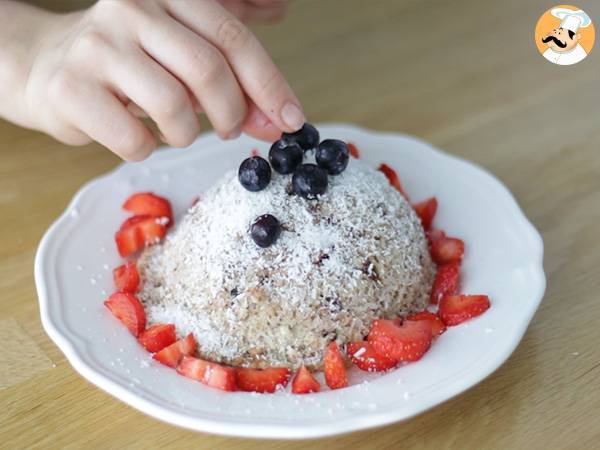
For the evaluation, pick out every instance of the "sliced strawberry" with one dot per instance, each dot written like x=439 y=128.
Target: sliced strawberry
x=436 y=324
x=138 y=231
x=434 y=235
x=171 y=355
x=147 y=203
x=254 y=152
x=210 y=373
x=426 y=211
x=304 y=382
x=133 y=220
x=393 y=178
x=262 y=380
x=128 y=239
x=335 y=367
x=128 y=309
x=455 y=309
x=366 y=358
x=152 y=230
x=446 y=250
x=126 y=277
x=353 y=150
x=407 y=342
x=447 y=280
x=157 y=337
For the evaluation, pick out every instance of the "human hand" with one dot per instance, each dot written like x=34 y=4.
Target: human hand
x=259 y=11
x=94 y=71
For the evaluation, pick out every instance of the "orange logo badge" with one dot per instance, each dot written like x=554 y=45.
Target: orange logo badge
x=565 y=35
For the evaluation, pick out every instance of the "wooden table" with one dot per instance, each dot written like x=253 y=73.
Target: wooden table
x=464 y=75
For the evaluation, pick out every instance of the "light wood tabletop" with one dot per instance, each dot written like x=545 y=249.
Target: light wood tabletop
x=464 y=75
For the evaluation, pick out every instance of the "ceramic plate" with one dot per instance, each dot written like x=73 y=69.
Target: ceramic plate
x=73 y=274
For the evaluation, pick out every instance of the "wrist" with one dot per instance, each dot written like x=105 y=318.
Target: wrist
x=21 y=40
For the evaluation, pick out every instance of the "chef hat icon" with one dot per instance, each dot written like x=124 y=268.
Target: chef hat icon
x=572 y=20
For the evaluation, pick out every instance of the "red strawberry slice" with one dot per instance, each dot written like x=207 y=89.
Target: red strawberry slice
x=393 y=178
x=436 y=324
x=426 y=211
x=157 y=337
x=335 y=367
x=262 y=380
x=455 y=309
x=446 y=250
x=138 y=231
x=407 y=342
x=128 y=238
x=447 y=280
x=171 y=355
x=304 y=382
x=128 y=309
x=149 y=204
x=353 y=150
x=126 y=277
x=210 y=373
x=366 y=358
x=434 y=235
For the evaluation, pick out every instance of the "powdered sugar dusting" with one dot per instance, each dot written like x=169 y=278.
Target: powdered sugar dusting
x=355 y=254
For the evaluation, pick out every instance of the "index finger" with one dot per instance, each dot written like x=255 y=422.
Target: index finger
x=255 y=70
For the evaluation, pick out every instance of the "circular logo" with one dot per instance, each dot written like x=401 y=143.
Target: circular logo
x=565 y=35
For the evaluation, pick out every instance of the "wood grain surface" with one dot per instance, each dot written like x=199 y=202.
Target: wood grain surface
x=464 y=75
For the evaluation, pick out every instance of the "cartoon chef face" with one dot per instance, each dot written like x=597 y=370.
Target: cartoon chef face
x=561 y=40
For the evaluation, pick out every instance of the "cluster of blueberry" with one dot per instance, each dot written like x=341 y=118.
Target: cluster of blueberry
x=286 y=157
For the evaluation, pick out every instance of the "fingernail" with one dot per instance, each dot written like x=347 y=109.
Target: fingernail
x=292 y=116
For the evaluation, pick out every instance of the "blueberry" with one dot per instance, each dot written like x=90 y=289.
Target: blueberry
x=285 y=157
x=265 y=230
x=309 y=181
x=332 y=155
x=254 y=173
x=306 y=137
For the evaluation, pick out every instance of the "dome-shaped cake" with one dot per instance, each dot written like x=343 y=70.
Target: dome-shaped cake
x=355 y=254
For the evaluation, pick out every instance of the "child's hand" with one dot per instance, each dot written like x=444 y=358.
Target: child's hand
x=94 y=72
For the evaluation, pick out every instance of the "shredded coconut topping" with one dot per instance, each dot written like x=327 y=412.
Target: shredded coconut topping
x=355 y=254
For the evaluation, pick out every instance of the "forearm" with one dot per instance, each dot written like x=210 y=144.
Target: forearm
x=21 y=29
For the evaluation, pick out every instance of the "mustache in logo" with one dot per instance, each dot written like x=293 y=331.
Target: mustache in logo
x=556 y=41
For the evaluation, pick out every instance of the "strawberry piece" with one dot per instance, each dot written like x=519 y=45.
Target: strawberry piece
x=149 y=204
x=407 y=342
x=455 y=309
x=172 y=354
x=304 y=382
x=152 y=230
x=262 y=380
x=426 y=211
x=128 y=239
x=366 y=358
x=446 y=250
x=126 y=277
x=138 y=231
x=254 y=152
x=128 y=309
x=335 y=367
x=353 y=150
x=436 y=324
x=447 y=280
x=393 y=178
x=434 y=236
x=157 y=337
x=210 y=373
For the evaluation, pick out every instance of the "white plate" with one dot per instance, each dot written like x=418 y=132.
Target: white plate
x=503 y=259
